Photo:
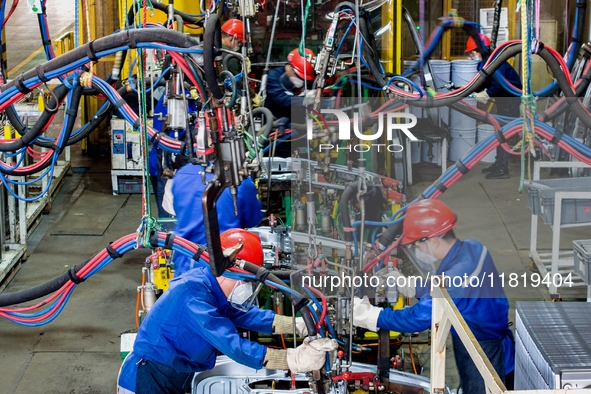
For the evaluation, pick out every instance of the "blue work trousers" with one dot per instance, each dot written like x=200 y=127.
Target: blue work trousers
x=470 y=379
x=156 y=378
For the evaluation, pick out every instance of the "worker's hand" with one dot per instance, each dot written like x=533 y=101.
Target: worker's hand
x=257 y=101
x=247 y=60
x=283 y=325
x=390 y=277
x=311 y=355
x=310 y=97
x=365 y=315
x=482 y=97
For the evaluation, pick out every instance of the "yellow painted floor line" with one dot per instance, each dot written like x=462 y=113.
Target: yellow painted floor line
x=24 y=62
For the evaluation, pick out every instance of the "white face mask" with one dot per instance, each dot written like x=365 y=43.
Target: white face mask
x=241 y=293
x=426 y=261
x=476 y=58
x=296 y=82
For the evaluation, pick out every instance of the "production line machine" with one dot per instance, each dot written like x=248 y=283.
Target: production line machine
x=324 y=221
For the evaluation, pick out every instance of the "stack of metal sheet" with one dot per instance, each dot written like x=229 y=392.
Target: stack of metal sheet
x=553 y=345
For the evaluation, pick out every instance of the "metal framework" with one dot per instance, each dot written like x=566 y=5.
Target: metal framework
x=445 y=315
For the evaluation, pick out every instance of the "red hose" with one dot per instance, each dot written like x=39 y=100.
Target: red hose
x=324 y=307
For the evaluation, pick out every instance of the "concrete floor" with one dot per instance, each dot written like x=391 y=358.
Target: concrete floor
x=79 y=351
x=23 y=40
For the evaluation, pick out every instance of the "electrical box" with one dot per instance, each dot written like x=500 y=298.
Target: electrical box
x=503 y=35
x=487 y=17
x=125 y=146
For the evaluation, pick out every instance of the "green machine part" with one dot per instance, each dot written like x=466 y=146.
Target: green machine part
x=287 y=207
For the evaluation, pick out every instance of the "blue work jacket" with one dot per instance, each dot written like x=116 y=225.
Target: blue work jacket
x=279 y=96
x=485 y=308
x=187 y=189
x=190 y=324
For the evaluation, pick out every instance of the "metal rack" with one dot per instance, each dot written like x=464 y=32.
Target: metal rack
x=557 y=262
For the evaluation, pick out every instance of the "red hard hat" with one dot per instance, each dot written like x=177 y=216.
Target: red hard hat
x=471 y=43
x=427 y=219
x=252 y=251
x=234 y=27
x=301 y=63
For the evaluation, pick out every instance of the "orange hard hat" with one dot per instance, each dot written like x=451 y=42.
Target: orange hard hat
x=234 y=27
x=427 y=219
x=252 y=251
x=471 y=43
x=302 y=64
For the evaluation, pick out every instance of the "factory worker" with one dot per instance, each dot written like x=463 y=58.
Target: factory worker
x=507 y=104
x=196 y=319
x=232 y=39
x=289 y=82
x=429 y=241
x=187 y=190
x=161 y=162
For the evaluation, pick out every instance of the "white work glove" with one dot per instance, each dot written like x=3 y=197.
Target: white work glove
x=482 y=97
x=393 y=277
x=365 y=315
x=301 y=328
x=311 y=355
x=310 y=97
x=282 y=325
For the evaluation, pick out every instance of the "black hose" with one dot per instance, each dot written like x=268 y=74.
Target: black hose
x=348 y=194
x=571 y=97
x=28 y=136
x=390 y=235
x=579 y=26
x=212 y=39
x=344 y=4
x=128 y=38
x=581 y=88
x=371 y=54
x=73 y=104
x=18 y=297
x=263 y=135
x=496 y=25
x=413 y=31
x=298 y=303
x=227 y=74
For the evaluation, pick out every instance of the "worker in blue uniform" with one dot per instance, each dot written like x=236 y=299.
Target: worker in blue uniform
x=195 y=320
x=427 y=238
x=285 y=85
x=507 y=104
x=161 y=162
x=187 y=190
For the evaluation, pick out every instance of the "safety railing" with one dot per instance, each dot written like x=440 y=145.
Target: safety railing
x=446 y=315
x=64 y=43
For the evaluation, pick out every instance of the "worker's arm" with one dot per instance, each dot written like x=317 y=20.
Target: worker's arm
x=509 y=73
x=416 y=318
x=254 y=319
x=277 y=94
x=234 y=65
x=205 y=320
x=249 y=205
